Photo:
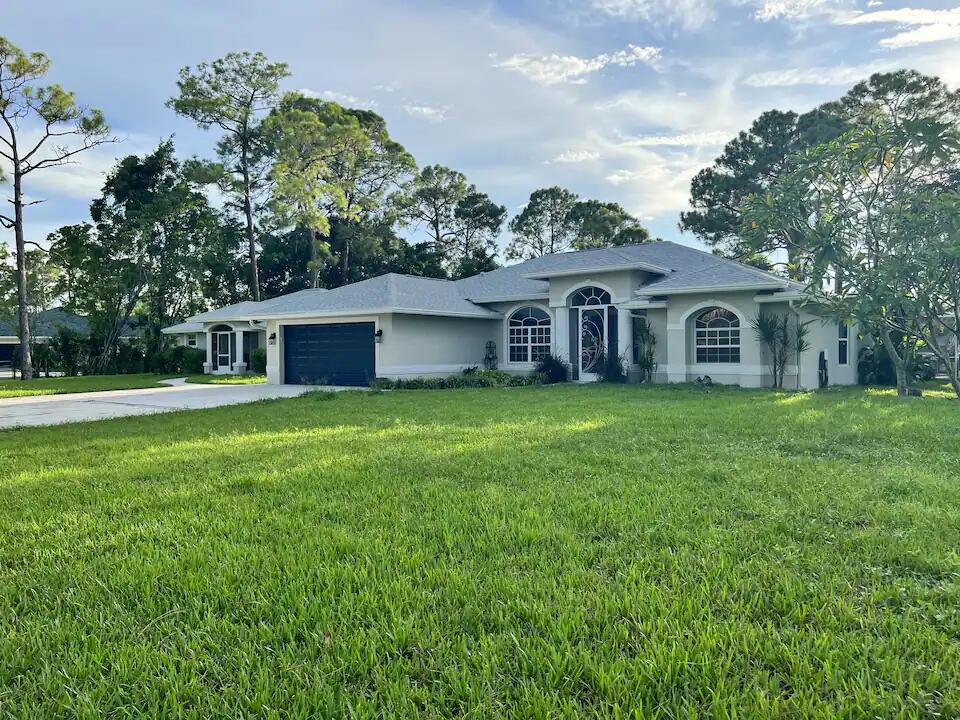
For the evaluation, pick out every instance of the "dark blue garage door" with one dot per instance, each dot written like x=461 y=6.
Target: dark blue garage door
x=340 y=354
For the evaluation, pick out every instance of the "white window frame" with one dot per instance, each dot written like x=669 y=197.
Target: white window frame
x=529 y=336
x=708 y=333
x=191 y=340
x=843 y=341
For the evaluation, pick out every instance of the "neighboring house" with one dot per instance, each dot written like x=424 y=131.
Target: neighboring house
x=188 y=334
x=43 y=326
x=576 y=305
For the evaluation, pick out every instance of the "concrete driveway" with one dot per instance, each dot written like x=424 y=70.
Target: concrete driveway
x=79 y=407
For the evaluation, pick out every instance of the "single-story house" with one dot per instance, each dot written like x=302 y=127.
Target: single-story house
x=43 y=326
x=577 y=305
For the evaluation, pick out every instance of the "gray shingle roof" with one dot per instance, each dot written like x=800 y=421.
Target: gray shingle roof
x=684 y=269
x=45 y=324
x=184 y=327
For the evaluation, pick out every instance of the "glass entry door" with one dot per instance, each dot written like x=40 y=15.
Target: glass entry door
x=222 y=351
x=593 y=337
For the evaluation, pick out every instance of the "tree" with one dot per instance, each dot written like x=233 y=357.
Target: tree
x=153 y=227
x=65 y=130
x=602 y=224
x=344 y=159
x=303 y=190
x=66 y=247
x=544 y=226
x=477 y=222
x=748 y=165
x=870 y=208
x=430 y=199
x=233 y=93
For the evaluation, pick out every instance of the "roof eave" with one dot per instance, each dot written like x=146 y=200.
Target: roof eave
x=509 y=298
x=489 y=315
x=598 y=269
x=654 y=290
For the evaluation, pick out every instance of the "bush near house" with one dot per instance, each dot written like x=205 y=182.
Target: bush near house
x=469 y=379
x=258 y=360
x=554 y=369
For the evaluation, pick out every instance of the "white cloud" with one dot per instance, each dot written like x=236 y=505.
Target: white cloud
x=555 y=69
x=916 y=26
x=427 y=112
x=690 y=139
x=690 y=14
x=340 y=98
x=619 y=177
x=834 y=75
x=575 y=156
x=793 y=9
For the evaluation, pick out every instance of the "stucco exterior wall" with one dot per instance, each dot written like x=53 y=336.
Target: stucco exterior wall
x=423 y=345
x=411 y=345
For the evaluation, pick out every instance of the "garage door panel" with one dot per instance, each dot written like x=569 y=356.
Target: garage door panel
x=336 y=354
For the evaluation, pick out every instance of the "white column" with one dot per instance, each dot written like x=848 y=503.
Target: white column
x=208 y=365
x=274 y=369
x=239 y=366
x=676 y=347
x=625 y=336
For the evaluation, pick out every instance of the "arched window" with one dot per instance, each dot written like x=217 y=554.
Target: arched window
x=589 y=296
x=717 y=336
x=529 y=335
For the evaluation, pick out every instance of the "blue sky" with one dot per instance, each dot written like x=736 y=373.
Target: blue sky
x=621 y=100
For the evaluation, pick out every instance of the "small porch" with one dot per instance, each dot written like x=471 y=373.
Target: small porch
x=229 y=347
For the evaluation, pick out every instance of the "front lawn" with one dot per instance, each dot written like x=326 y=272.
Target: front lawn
x=601 y=551
x=89 y=383
x=227 y=379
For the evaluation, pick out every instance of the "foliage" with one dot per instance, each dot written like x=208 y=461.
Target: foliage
x=178 y=360
x=69 y=348
x=42 y=127
x=231 y=94
x=363 y=540
x=644 y=348
x=604 y=224
x=554 y=220
x=783 y=337
x=474 y=379
x=554 y=369
x=462 y=222
x=611 y=368
x=873 y=214
x=258 y=360
x=154 y=228
x=748 y=165
x=544 y=226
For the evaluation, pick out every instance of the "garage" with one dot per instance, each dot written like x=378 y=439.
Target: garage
x=333 y=354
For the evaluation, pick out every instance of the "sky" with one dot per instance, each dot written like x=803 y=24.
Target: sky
x=620 y=100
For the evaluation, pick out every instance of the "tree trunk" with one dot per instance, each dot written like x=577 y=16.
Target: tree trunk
x=251 y=242
x=346 y=260
x=899 y=364
x=314 y=269
x=26 y=359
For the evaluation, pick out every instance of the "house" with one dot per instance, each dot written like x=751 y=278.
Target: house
x=43 y=326
x=577 y=305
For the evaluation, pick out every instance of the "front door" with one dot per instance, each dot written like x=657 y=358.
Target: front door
x=221 y=348
x=593 y=336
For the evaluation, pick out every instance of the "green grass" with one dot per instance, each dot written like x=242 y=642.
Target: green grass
x=227 y=379
x=89 y=383
x=596 y=551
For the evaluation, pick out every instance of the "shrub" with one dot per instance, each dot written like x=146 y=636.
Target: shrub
x=258 y=360
x=474 y=379
x=611 y=368
x=553 y=369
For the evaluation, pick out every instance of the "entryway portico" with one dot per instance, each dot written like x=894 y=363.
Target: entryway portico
x=228 y=348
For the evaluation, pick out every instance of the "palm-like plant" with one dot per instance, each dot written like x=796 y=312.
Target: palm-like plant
x=782 y=339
